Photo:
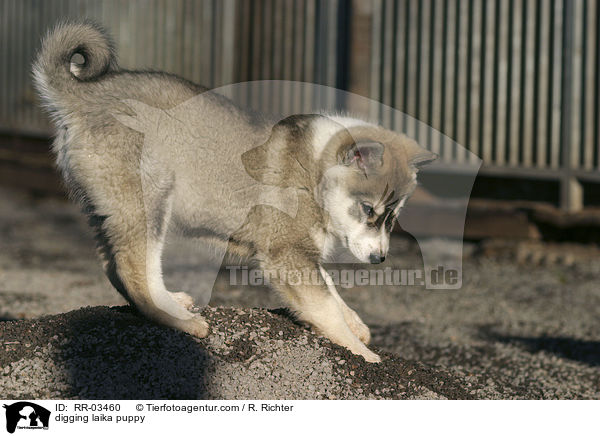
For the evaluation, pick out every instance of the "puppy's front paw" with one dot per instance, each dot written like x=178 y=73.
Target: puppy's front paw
x=367 y=354
x=358 y=327
x=372 y=357
x=358 y=348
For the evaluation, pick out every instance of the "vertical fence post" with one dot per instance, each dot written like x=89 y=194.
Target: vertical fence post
x=360 y=55
x=228 y=42
x=571 y=192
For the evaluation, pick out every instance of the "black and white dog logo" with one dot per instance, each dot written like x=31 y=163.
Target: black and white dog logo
x=26 y=415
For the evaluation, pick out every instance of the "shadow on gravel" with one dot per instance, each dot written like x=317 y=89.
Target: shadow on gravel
x=116 y=353
x=587 y=352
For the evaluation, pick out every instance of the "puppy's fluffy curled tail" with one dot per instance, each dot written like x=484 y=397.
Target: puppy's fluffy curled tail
x=57 y=70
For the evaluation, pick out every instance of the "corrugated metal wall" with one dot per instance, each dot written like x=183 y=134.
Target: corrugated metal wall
x=212 y=42
x=186 y=37
x=514 y=81
x=298 y=40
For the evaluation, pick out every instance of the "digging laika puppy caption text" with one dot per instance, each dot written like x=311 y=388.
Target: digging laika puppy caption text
x=70 y=413
x=140 y=413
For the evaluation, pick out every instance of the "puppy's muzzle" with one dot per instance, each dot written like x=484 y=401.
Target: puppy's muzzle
x=376 y=258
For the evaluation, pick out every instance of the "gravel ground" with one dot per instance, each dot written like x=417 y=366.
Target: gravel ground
x=107 y=353
x=513 y=331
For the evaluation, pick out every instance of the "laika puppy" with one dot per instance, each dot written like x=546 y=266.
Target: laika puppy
x=348 y=179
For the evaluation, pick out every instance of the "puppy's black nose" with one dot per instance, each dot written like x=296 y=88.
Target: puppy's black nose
x=376 y=258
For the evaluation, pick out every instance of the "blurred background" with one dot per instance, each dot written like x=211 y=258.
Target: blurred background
x=515 y=82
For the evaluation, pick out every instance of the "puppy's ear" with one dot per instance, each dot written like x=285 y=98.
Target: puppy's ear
x=363 y=154
x=417 y=156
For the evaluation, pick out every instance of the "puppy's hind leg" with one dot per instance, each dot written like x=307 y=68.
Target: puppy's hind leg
x=184 y=299
x=137 y=239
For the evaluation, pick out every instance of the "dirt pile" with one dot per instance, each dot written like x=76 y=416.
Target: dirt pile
x=112 y=353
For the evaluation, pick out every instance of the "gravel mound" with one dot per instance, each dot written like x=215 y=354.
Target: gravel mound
x=518 y=328
x=113 y=353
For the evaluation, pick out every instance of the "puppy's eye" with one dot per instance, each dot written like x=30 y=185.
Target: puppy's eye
x=367 y=209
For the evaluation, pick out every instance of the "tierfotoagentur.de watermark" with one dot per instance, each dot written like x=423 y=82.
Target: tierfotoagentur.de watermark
x=344 y=277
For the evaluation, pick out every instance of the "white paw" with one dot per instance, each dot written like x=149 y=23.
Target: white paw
x=183 y=299
x=372 y=357
x=196 y=326
x=357 y=326
x=367 y=354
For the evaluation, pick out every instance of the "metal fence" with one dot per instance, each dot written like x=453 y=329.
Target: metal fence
x=212 y=42
x=194 y=39
x=298 y=40
x=516 y=82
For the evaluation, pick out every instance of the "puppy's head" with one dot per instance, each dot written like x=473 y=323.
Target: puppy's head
x=360 y=174
x=367 y=174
